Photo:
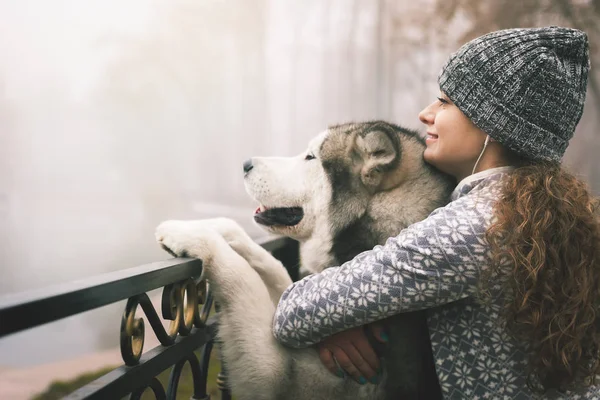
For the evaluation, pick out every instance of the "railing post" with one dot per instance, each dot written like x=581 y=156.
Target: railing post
x=222 y=376
x=222 y=384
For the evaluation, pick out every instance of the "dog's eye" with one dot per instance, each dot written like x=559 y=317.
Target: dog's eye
x=309 y=157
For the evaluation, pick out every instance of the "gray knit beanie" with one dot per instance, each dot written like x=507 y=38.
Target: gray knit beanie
x=523 y=87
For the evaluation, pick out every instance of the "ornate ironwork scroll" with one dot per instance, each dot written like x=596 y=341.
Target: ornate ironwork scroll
x=192 y=360
x=155 y=385
x=183 y=316
x=185 y=304
x=222 y=385
x=222 y=377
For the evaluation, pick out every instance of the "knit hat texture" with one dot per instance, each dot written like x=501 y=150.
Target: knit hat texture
x=523 y=87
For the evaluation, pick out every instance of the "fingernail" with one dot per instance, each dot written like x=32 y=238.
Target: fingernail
x=384 y=336
x=362 y=380
x=374 y=380
x=340 y=373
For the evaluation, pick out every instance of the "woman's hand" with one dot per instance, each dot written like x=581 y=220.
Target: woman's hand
x=350 y=351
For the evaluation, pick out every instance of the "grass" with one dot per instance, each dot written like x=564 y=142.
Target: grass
x=59 y=389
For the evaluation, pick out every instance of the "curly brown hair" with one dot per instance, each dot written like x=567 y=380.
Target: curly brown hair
x=545 y=244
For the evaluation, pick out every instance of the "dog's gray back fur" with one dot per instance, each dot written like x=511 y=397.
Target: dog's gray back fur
x=381 y=215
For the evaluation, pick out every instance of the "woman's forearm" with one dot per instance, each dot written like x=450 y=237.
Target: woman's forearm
x=416 y=270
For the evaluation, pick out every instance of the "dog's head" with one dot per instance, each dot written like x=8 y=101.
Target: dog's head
x=330 y=184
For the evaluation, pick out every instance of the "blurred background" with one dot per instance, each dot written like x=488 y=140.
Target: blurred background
x=116 y=115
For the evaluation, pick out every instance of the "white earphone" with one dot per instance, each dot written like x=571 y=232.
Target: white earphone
x=487 y=140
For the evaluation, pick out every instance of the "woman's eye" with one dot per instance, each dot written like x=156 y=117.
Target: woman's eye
x=442 y=100
x=309 y=157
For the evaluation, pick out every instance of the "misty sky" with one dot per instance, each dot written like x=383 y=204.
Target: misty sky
x=116 y=115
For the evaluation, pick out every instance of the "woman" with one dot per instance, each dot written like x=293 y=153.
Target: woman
x=509 y=271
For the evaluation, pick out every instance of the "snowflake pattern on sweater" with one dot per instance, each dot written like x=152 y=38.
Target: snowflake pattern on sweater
x=434 y=264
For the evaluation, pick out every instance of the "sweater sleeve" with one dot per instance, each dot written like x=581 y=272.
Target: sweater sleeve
x=430 y=263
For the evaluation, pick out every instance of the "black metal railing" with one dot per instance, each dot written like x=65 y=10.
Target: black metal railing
x=186 y=302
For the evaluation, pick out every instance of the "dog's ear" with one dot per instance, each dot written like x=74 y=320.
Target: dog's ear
x=380 y=154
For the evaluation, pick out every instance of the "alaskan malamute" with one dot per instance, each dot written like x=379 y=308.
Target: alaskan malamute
x=355 y=186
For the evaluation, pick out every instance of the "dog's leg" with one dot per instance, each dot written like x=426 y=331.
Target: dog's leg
x=270 y=269
x=254 y=359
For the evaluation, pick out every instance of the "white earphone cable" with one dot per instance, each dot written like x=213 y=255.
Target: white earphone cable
x=487 y=140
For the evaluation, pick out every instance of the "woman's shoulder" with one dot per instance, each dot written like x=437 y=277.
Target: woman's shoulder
x=468 y=215
x=486 y=182
x=478 y=194
x=471 y=210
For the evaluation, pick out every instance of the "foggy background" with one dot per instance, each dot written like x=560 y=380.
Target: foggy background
x=116 y=115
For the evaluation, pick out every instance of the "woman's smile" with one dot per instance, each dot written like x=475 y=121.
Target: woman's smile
x=431 y=138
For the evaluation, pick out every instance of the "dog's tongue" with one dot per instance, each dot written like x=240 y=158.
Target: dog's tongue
x=260 y=209
x=288 y=216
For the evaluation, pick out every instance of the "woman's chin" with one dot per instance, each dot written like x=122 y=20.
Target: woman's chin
x=435 y=159
x=429 y=155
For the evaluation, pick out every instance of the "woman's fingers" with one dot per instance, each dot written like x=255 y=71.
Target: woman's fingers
x=328 y=361
x=378 y=330
x=367 y=353
x=350 y=352
x=351 y=361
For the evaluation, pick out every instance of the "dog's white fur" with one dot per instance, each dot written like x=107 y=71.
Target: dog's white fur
x=291 y=182
x=248 y=281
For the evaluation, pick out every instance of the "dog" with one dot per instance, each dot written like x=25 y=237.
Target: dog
x=355 y=186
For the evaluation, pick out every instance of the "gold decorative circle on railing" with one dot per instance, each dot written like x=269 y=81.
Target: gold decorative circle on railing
x=222 y=381
x=204 y=298
x=132 y=334
x=183 y=317
x=172 y=308
x=188 y=289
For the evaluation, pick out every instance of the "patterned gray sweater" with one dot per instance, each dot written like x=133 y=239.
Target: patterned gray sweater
x=433 y=264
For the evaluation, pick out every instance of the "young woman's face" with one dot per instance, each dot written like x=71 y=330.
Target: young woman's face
x=453 y=142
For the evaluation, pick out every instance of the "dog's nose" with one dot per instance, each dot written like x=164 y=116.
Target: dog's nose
x=248 y=166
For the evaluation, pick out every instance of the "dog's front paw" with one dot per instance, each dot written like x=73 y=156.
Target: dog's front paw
x=187 y=239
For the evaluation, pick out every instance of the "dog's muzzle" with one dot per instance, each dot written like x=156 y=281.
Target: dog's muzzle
x=285 y=216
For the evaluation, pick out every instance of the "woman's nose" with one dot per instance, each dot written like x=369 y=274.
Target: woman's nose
x=426 y=115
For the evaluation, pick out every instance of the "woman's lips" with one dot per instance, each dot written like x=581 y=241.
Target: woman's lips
x=431 y=137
